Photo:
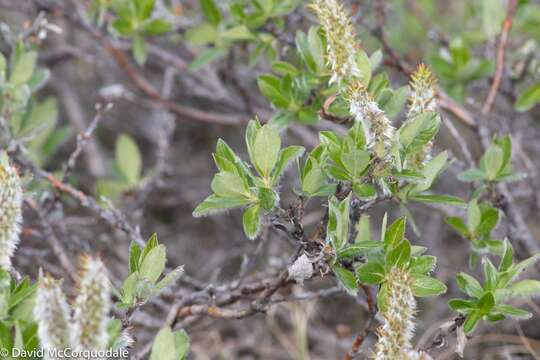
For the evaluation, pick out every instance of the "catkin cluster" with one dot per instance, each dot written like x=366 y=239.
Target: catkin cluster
x=11 y=197
x=84 y=325
x=397 y=331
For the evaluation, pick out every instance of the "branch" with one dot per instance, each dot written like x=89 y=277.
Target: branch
x=506 y=26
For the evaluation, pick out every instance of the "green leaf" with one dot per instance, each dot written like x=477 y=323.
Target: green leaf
x=430 y=172
x=472 y=175
x=24 y=68
x=528 y=98
x=266 y=150
x=516 y=270
x=157 y=27
x=123 y=26
x=493 y=160
x=399 y=256
x=206 y=57
x=215 y=204
x=251 y=221
x=267 y=198
x=469 y=285
x=154 y=263
x=490 y=218
x=168 y=279
x=355 y=162
x=237 y=33
x=358 y=249
x=507 y=258
x=284 y=68
x=144 y=8
x=461 y=305
x=346 y=279
x=302 y=45
x=474 y=216
x=471 y=321
x=150 y=245
x=419 y=131
x=509 y=310
x=363 y=229
x=395 y=232
x=382 y=298
x=440 y=199
x=410 y=175
x=370 y=273
x=423 y=264
x=427 y=286
x=181 y=341
x=285 y=158
x=134 y=257
x=338 y=222
x=270 y=87
x=202 y=34
x=165 y=346
x=486 y=303
x=525 y=288
x=316 y=48
x=458 y=225
x=211 y=11
x=229 y=185
x=128 y=159
x=139 y=49
x=396 y=103
x=365 y=192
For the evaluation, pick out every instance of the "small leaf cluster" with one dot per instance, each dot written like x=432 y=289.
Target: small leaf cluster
x=146 y=267
x=31 y=121
x=134 y=20
x=127 y=168
x=247 y=22
x=457 y=68
x=297 y=89
x=495 y=165
x=236 y=185
x=481 y=220
x=17 y=326
x=489 y=301
x=373 y=259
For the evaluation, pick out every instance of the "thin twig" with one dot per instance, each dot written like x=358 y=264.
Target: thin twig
x=507 y=25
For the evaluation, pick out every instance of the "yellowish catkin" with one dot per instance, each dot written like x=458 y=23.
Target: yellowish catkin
x=51 y=312
x=378 y=129
x=397 y=331
x=341 y=39
x=11 y=197
x=91 y=307
x=422 y=99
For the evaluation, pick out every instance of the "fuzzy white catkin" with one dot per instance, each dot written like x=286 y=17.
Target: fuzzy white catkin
x=91 y=307
x=378 y=129
x=397 y=331
x=422 y=99
x=11 y=197
x=51 y=312
x=340 y=39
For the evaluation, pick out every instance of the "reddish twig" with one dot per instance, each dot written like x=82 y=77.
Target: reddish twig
x=503 y=38
x=368 y=328
x=145 y=86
